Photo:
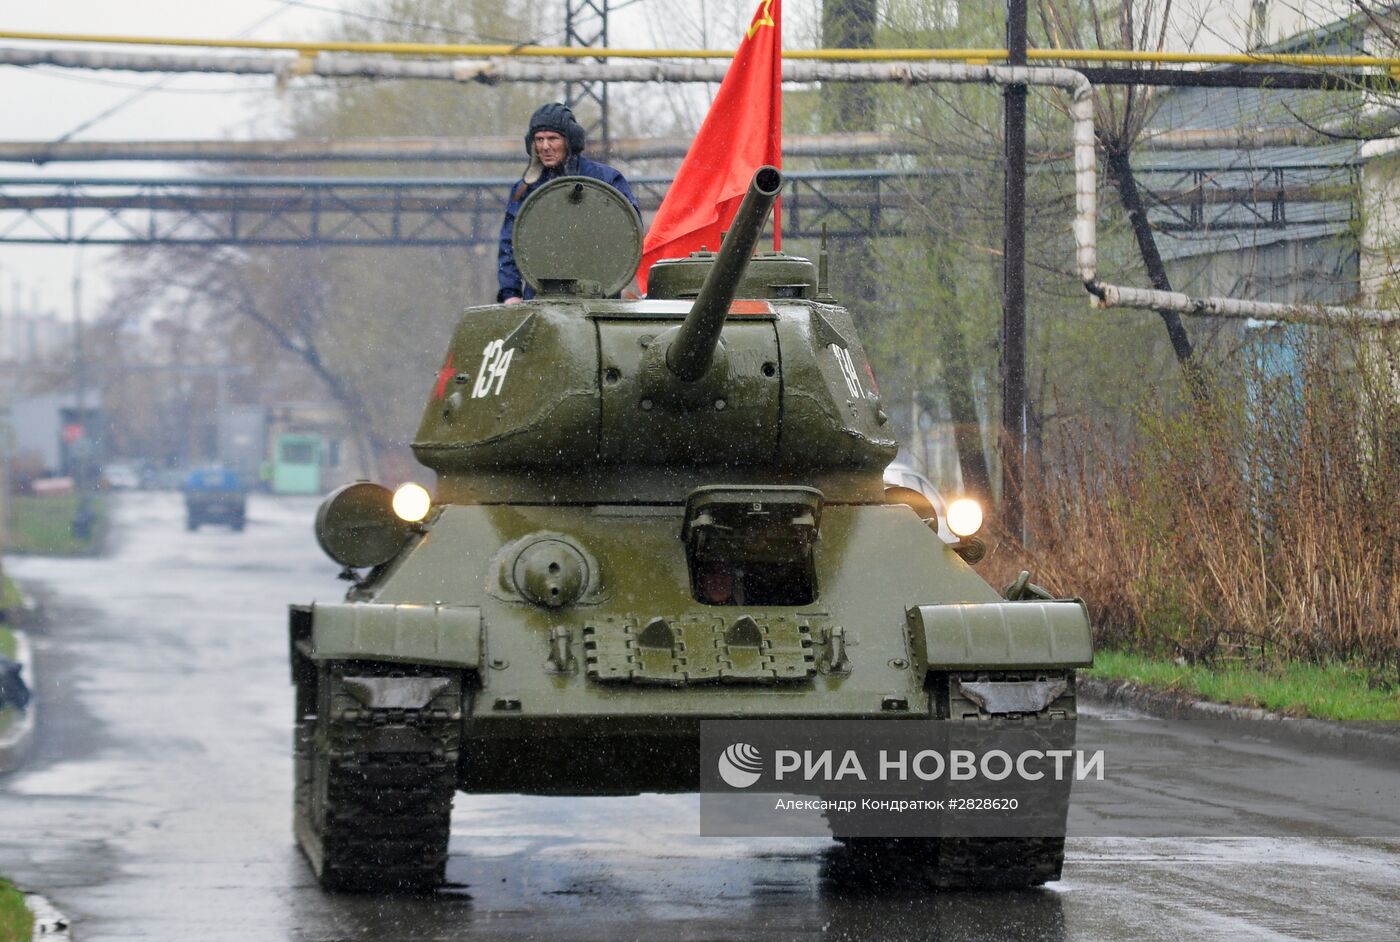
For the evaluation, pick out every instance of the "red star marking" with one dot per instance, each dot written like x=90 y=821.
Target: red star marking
x=444 y=377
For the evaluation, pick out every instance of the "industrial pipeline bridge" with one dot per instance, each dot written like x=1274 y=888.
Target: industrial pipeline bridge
x=455 y=211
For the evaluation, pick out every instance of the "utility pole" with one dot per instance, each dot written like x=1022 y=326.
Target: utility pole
x=5 y=449
x=81 y=525
x=848 y=24
x=847 y=107
x=1013 y=281
x=586 y=24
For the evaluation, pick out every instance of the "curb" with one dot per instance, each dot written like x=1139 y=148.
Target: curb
x=15 y=741
x=1303 y=731
x=50 y=925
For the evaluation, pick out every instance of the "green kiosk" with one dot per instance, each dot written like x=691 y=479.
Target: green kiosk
x=296 y=465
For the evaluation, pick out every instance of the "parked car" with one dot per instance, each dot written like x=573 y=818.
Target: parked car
x=215 y=495
x=122 y=477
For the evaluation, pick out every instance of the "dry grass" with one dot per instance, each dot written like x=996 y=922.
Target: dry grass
x=1261 y=524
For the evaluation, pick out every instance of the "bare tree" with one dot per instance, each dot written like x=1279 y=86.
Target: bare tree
x=229 y=288
x=1121 y=115
x=366 y=325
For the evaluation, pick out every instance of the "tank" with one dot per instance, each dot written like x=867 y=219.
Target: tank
x=648 y=514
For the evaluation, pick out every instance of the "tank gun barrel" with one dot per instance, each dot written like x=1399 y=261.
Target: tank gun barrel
x=690 y=354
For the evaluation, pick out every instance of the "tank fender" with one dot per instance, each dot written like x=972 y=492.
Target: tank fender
x=1001 y=635
x=446 y=635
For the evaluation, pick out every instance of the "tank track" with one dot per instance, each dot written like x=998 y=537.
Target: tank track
x=971 y=863
x=953 y=863
x=997 y=862
x=374 y=785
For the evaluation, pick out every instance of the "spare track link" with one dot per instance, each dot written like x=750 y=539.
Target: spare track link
x=374 y=786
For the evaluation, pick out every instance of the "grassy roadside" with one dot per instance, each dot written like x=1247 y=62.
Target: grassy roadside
x=16 y=922
x=1324 y=691
x=7 y=716
x=40 y=525
x=10 y=598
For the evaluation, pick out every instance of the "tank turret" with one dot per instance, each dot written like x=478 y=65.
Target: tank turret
x=730 y=366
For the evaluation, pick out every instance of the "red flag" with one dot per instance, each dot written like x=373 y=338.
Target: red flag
x=742 y=131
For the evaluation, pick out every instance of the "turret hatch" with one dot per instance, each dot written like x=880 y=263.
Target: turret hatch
x=577 y=237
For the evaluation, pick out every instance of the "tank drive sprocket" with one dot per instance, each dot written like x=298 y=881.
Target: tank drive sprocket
x=376 y=767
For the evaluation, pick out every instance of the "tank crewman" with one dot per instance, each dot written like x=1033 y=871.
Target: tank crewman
x=554 y=142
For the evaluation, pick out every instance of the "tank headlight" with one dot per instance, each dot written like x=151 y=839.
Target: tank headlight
x=412 y=502
x=964 y=517
x=357 y=527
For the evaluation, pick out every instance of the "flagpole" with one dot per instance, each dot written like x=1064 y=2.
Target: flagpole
x=777 y=131
x=742 y=131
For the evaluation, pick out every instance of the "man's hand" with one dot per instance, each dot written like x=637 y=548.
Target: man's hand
x=512 y=300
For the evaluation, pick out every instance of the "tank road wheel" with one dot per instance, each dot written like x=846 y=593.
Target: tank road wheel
x=375 y=771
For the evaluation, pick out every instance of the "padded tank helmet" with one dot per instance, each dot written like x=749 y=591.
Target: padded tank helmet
x=560 y=119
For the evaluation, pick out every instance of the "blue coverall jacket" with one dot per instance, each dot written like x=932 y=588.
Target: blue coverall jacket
x=507 y=274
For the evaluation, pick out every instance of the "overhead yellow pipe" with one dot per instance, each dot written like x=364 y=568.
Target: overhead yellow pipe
x=491 y=50
x=395 y=49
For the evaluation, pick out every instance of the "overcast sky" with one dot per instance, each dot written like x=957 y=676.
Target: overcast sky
x=45 y=104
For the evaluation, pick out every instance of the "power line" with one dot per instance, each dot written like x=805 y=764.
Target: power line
x=411 y=24
x=67 y=76
x=156 y=86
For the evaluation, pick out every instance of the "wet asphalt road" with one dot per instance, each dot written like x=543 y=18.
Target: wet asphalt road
x=157 y=803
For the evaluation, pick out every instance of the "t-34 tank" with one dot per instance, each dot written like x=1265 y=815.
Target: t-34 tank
x=648 y=514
